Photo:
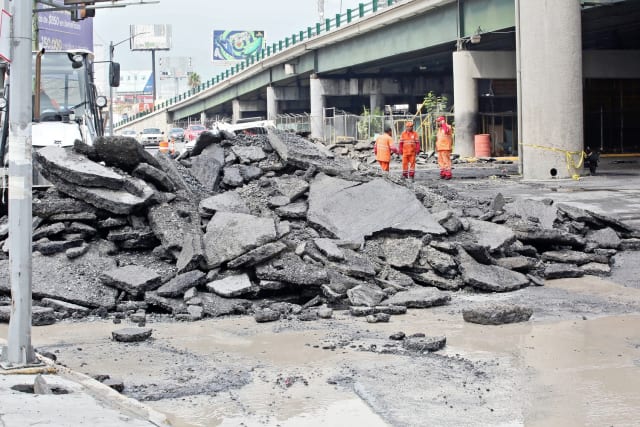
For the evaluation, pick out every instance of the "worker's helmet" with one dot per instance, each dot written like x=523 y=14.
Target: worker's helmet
x=441 y=119
x=409 y=123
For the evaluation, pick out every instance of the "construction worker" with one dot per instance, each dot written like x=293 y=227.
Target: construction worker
x=409 y=148
x=444 y=145
x=383 y=149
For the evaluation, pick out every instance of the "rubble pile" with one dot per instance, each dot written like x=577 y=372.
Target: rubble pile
x=275 y=226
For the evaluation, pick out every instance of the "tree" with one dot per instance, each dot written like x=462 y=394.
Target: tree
x=194 y=80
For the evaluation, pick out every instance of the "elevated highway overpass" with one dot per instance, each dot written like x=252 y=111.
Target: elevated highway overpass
x=551 y=65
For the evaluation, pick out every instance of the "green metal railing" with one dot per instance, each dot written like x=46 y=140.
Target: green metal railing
x=329 y=24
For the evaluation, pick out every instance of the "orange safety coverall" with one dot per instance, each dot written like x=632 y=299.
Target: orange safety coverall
x=382 y=149
x=409 y=147
x=444 y=145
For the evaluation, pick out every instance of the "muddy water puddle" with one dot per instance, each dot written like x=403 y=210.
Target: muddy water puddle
x=572 y=372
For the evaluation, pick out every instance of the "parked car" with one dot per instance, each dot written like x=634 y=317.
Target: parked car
x=193 y=131
x=130 y=133
x=177 y=134
x=151 y=136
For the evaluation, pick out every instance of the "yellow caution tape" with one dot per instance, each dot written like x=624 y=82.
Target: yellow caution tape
x=572 y=166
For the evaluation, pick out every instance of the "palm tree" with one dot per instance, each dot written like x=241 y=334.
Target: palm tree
x=193 y=80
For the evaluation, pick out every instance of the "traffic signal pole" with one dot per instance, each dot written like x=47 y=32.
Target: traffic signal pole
x=18 y=352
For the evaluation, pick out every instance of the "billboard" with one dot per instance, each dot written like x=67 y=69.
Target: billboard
x=150 y=37
x=58 y=32
x=138 y=81
x=230 y=46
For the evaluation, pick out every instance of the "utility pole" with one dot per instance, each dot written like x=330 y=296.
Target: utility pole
x=19 y=352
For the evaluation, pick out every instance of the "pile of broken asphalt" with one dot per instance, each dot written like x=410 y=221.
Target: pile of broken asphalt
x=277 y=226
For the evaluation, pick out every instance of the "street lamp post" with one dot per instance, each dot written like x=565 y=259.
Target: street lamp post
x=111 y=48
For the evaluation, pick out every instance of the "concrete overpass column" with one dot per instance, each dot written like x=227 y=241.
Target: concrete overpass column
x=376 y=100
x=236 y=112
x=551 y=86
x=317 y=106
x=272 y=103
x=465 y=101
x=203 y=117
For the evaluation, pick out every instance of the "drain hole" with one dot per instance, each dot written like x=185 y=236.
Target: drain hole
x=553 y=172
x=28 y=388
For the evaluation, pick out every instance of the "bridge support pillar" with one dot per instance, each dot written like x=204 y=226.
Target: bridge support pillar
x=318 y=100
x=272 y=103
x=236 y=114
x=551 y=87
x=465 y=100
x=376 y=100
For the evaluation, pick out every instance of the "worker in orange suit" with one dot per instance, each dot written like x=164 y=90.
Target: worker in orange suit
x=444 y=145
x=383 y=148
x=409 y=148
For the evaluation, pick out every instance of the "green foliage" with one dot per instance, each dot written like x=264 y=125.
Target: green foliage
x=433 y=103
x=193 y=80
x=370 y=123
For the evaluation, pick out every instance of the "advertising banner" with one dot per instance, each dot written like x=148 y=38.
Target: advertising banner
x=231 y=46
x=58 y=32
x=150 y=37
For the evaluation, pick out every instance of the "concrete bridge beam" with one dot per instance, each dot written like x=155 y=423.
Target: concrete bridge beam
x=238 y=107
x=551 y=87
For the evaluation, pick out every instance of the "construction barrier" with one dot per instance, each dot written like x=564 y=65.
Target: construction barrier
x=163 y=146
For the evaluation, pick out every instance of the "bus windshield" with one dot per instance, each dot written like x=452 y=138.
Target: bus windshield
x=62 y=87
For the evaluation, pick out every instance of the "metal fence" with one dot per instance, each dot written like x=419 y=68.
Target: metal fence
x=340 y=126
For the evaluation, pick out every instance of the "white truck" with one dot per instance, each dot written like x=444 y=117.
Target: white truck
x=66 y=106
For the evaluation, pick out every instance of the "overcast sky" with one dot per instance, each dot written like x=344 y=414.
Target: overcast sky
x=192 y=23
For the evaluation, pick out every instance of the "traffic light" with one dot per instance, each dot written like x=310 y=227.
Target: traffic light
x=82 y=12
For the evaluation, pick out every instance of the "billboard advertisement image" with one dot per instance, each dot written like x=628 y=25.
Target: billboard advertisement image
x=230 y=46
x=150 y=37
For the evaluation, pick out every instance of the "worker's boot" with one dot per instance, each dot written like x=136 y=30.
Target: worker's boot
x=442 y=173
x=447 y=175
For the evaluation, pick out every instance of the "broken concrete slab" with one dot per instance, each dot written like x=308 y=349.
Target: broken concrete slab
x=40 y=316
x=177 y=286
x=422 y=344
x=231 y=286
x=191 y=255
x=497 y=314
x=171 y=222
x=419 y=298
x=572 y=257
x=430 y=278
x=334 y=203
x=216 y=306
x=229 y=201
x=133 y=279
x=562 y=271
x=289 y=268
x=207 y=167
x=494 y=236
x=64 y=164
x=401 y=251
x=63 y=306
x=123 y=152
x=230 y=235
x=258 y=255
x=354 y=264
x=596 y=269
x=297 y=210
x=549 y=238
x=442 y=262
x=75 y=281
x=605 y=238
x=489 y=277
x=132 y=334
x=155 y=176
x=545 y=214
x=291 y=187
x=329 y=248
x=249 y=154
x=366 y=295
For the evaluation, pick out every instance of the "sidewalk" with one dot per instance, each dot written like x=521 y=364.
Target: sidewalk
x=76 y=400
